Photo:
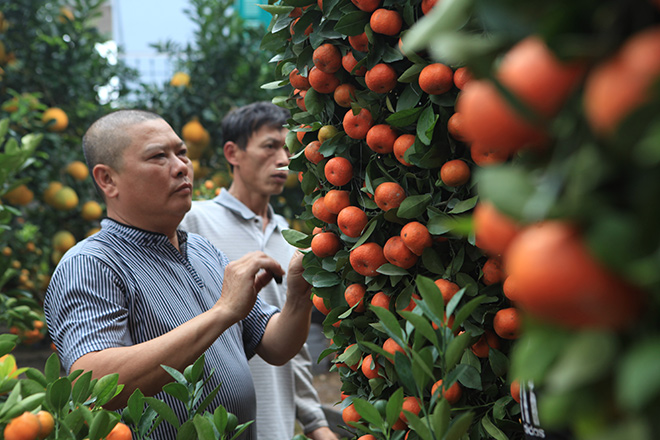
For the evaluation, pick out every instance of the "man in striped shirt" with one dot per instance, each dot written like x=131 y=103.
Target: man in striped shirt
x=240 y=220
x=141 y=293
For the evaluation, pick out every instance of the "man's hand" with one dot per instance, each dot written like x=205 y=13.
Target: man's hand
x=243 y=280
x=296 y=284
x=322 y=433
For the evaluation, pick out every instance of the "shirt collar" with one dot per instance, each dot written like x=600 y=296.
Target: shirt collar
x=141 y=236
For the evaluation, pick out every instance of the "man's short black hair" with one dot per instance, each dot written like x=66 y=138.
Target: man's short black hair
x=240 y=123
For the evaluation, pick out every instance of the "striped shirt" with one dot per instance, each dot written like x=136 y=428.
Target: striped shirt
x=124 y=285
x=284 y=393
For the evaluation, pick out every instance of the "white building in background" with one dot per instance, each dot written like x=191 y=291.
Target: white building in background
x=136 y=24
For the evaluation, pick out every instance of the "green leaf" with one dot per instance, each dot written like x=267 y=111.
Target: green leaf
x=203 y=428
x=426 y=124
x=419 y=426
x=105 y=389
x=467 y=310
x=491 y=429
x=296 y=238
x=352 y=23
x=403 y=118
x=584 y=360
x=440 y=418
x=411 y=73
x=432 y=297
x=459 y=426
x=101 y=425
x=393 y=408
x=499 y=362
x=325 y=279
x=391 y=324
x=414 y=206
x=455 y=349
x=464 y=205
x=403 y=367
x=449 y=15
x=135 y=406
x=58 y=393
x=391 y=270
x=421 y=325
x=638 y=379
x=177 y=390
x=52 y=368
x=81 y=386
x=164 y=411
x=368 y=412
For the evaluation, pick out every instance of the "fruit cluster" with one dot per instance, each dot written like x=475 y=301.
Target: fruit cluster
x=410 y=302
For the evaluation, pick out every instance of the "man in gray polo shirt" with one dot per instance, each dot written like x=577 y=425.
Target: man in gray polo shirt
x=240 y=220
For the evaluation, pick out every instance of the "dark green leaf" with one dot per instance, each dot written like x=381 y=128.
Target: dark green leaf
x=414 y=206
x=368 y=412
x=352 y=23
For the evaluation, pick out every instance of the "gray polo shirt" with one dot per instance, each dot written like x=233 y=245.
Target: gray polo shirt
x=284 y=393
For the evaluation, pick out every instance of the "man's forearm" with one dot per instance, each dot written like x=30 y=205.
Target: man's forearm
x=139 y=366
x=286 y=331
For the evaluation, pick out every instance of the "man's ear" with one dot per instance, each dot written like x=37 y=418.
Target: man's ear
x=104 y=176
x=231 y=151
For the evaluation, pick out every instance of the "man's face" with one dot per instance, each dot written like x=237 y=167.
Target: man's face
x=154 y=182
x=258 y=165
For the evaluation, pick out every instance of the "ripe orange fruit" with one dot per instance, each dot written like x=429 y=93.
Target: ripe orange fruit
x=507 y=323
x=557 y=279
x=300 y=99
x=416 y=237
x=381 y=299
x=61 y=120
x=65 y=199
x=398 y=254
x=120 y=432
x=327 y=58
x=19 y=196
x=514 y=388
x=456 y=127
x=321 y=212
x=380 y=138
x=325 y=244
x=321 y=81
x=461 y=77
x=455 y=173
x=381 y=78
x=386 y=22
x=350 y=415
x=411 y=404
x=486 y=341
x=357 y=125
x=436 y=79
x=312 y=152
x=354 y=294
x=180 y=79
x=485 y=155
x=193 y=132
x=493 y=230
x=352 y=221
x=370 y=367
x=359 y=42
x=401 y=145
x=46 y=423
x=336 y=200
x=349 y=62
x=367 y=5
x=622 y=83
x=447 y=288
x=298 y=81
x=427 y=5
x=344 y=95
x=509 y=288
x=78 y=170
x=534 y=75
x=366 y=437
x=367 y=258
x=24 y=427
x=493 y=271
x=452 y=395
x=389 y=195
x=391 y=346
x=319 y=303
x=338 y=171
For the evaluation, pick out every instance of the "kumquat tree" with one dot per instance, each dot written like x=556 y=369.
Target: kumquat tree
x=481 y=177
